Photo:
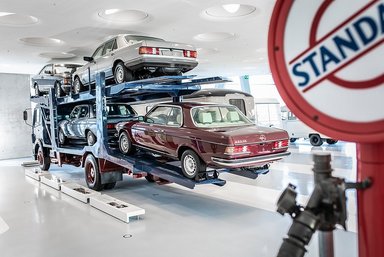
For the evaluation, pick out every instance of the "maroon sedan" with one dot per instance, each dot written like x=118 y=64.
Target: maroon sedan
x=201 y=135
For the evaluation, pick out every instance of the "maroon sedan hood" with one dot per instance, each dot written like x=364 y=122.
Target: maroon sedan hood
x=251 y=134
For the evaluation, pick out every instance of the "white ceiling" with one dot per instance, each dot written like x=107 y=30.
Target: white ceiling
x=80 y=28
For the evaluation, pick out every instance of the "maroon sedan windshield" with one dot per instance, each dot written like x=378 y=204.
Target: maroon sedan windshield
x=218 y=116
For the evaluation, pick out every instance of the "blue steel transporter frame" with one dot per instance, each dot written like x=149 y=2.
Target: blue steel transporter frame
x=138 y=165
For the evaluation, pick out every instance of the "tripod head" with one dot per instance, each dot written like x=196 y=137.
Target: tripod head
x=326 y=208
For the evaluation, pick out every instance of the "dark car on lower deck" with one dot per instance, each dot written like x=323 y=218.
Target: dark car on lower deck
x=54 y=75
x=203 y=134
x=81 y=122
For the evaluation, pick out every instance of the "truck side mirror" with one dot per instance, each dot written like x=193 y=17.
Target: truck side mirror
x=88 y=59
x=25 y=115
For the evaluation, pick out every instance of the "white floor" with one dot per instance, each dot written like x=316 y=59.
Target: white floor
x=238 y=219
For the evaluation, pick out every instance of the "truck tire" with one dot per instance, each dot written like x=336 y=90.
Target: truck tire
x=43 y=159
x=92 y=173
x=191 y=164
x=150 y=178
x=109 y=186
x=331 y=141
x=315 y=140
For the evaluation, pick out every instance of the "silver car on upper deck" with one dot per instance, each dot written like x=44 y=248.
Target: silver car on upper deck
x=54 y=75
x=131 y=57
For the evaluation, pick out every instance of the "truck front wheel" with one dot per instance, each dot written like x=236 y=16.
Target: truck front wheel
x=92 y=173
x=315 y=140
x=191 y=164
x=43 y=159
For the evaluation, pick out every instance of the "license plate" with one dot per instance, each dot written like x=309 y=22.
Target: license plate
x=171 y=53
x=262 y=148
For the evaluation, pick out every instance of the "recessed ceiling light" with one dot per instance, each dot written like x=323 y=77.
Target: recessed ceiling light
x=57 y=55
x=231 y=8
x=111 y=11
x=214 y=36
x=14 y=19
x=5 y=13
x=126 y=16
x=42 y=41
x=229 y=11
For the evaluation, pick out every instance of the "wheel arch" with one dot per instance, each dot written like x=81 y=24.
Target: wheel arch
x=184 y=148
x=89 y=129
x=84 y=157
x=38 y=143
x=62 y=127
x=86 y=131
x=115 y=64
x=36 y=146
x=120 y=131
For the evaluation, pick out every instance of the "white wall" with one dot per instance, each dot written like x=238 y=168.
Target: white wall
x=15 y=135
x=263 y=86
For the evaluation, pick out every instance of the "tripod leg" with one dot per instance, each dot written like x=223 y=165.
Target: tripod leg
x=325 y=243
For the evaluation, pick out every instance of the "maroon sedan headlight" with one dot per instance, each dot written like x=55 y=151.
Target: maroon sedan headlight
x=237 y=150
x=280 y=144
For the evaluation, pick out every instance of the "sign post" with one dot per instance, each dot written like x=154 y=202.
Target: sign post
x=326 y=60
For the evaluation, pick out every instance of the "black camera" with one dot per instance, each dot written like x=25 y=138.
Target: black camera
x=326 y=207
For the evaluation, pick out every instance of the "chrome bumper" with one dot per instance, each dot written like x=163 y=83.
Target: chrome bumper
x=251 y=161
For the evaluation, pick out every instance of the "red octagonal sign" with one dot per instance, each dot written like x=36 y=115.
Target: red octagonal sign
x=327 y=59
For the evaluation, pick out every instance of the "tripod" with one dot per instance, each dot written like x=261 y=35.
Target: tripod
x=326 y=208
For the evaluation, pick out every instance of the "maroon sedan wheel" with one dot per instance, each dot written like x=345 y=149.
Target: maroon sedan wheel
x=92 y=173
x=191 y=164
x=125 y=144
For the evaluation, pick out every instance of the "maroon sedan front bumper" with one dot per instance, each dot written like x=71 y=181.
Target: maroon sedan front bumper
x=250 y=161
